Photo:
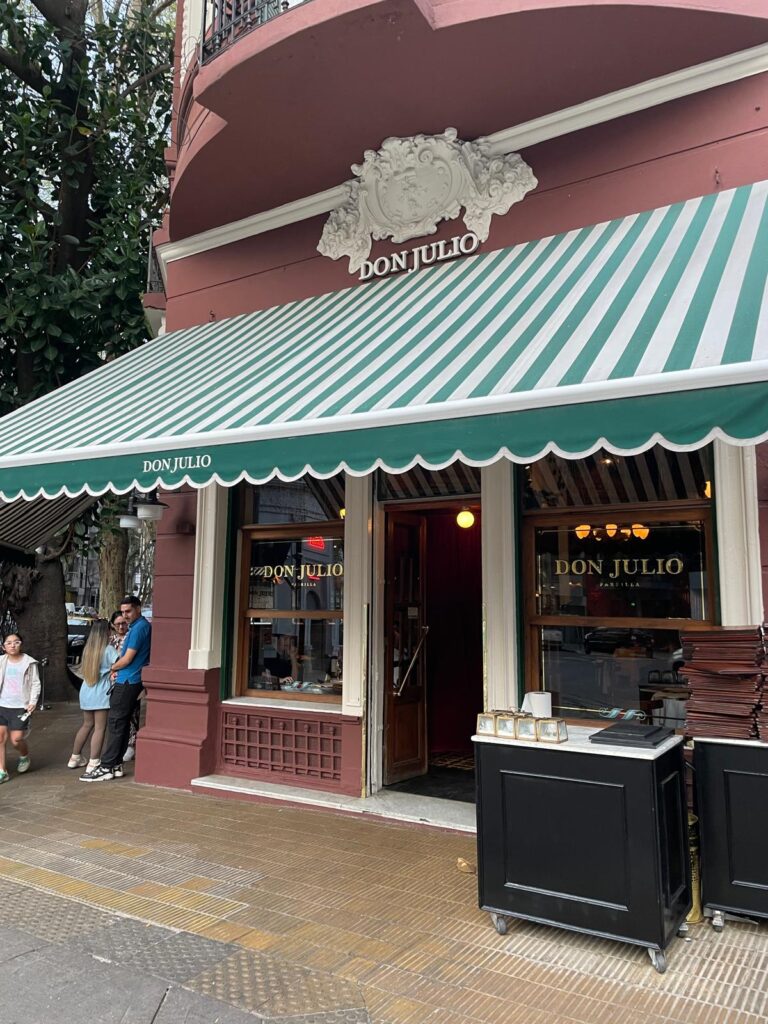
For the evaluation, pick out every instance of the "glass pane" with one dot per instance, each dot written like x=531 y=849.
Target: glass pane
x=295 y=655
x=297 y=501
x=594 y=671
x=619 y=569
x=606 y=479
x=305 y=573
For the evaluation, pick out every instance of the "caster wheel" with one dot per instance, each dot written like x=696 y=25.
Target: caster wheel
x=501 y=924
x=683 y=930
x=658 y=959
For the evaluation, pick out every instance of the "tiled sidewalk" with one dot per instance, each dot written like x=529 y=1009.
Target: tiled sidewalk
x=340 y=917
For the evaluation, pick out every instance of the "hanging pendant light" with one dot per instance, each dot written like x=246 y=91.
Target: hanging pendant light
x=465 y=519
x=129 y=520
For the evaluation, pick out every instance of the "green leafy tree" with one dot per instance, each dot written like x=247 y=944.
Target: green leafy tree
x=85 y=103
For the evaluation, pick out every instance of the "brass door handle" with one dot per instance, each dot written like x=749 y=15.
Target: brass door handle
x=399 y=687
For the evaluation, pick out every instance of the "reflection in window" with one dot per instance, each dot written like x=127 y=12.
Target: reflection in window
x=617 y=569
x=295 y=655
x=297 y=501
x=607 y=479
x=296 y=573
x=600 y=671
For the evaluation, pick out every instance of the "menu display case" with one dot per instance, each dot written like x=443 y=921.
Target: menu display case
x=583 y=837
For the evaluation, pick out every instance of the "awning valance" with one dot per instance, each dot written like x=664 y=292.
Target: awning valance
x=648 y=329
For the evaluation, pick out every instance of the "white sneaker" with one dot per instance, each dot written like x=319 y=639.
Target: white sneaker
x=117 y=771
x=77 y=761
x=93 y=763
x=129 y=754
x=98 y=774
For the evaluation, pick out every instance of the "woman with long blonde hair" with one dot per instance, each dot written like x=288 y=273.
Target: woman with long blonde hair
x=98 y=658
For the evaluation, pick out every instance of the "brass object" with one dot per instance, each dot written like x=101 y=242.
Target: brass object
x=695 y=914
x=525 y=728
x=551 y=730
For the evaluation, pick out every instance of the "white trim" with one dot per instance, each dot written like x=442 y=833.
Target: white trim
x=269 y=703
x=208 y=594
x=644 y=95
x=357 y=592
x=693 y=379
x=738 y=536
x=500 y=666
x=651 y=93
x=257 y=224
x=420 y=810
x=375 y=736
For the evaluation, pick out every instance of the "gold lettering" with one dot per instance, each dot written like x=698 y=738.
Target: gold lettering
x=578 y=567
x=674 y=566
x=595 y=566
x=561 y=567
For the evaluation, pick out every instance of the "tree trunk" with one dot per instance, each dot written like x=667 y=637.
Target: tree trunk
x=43 y=624
x=112 y=584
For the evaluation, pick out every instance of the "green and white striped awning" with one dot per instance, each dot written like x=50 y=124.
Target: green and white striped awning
x=648 y=329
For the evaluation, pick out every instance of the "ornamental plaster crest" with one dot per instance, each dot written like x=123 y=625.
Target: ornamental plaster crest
x=408 y=186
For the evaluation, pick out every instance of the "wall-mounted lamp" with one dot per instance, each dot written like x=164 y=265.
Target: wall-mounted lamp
x=149 y=508
x=141 y=508
x=129 y=520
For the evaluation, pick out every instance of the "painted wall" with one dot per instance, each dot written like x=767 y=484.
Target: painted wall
x=178 y=741
x=762 y=500
x=689 y=147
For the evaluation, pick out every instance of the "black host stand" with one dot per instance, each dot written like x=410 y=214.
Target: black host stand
x=585 y=837
x=732 y=797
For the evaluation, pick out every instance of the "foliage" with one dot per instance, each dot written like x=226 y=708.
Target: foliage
x=84 y=111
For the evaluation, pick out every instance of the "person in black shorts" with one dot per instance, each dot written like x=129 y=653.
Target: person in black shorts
x=19 y=694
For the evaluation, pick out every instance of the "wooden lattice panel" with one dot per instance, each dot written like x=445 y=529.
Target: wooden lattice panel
x=282 y=746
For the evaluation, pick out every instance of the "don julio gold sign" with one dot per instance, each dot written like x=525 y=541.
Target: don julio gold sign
x=618 y=568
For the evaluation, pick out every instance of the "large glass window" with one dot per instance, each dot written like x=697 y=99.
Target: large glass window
x=610 y=584
x=292 y=592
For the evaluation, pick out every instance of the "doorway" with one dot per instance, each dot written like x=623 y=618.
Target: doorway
x=433 y=650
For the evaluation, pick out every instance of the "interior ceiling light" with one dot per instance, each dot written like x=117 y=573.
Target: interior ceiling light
x=583 y=531
x=465 y=519
x=640 y=531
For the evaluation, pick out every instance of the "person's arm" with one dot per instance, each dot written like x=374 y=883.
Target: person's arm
x=34 y=694
x=124 y=660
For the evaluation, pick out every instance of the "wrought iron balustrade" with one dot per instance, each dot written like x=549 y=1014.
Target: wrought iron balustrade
x=155 y=282
x=227 y=20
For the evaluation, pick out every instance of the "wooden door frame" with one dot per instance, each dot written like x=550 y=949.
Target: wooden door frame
x=375 y=698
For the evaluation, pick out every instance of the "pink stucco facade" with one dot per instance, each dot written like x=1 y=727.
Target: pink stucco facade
x=285 y=111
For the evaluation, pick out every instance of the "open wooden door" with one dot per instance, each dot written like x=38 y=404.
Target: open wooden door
x=405 y=684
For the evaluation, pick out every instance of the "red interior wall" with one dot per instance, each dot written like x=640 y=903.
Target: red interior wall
x=455 y=643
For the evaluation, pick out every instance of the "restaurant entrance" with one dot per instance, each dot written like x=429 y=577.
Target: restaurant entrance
x=433 y=687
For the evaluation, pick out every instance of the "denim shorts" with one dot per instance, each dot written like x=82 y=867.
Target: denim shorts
x=10 y=718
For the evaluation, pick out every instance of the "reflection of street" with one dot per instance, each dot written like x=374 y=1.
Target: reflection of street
x=594 y=681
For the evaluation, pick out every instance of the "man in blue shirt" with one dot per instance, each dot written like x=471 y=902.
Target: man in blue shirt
x=126 y=690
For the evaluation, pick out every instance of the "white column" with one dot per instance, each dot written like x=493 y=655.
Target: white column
x=208 y=594
x=500 y=658
x=357 y=591
x=738 y=535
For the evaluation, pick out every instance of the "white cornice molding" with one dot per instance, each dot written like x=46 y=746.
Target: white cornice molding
x=633 y=99
x=599 y=110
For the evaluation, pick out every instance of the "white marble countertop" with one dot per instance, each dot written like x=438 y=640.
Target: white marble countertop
x=578 y=743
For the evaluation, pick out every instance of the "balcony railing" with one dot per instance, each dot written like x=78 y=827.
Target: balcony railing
x=227 y=20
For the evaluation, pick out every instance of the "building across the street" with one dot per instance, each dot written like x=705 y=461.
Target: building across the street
x=462 y=390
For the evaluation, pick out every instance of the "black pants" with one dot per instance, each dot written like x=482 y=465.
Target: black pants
x=125 y=697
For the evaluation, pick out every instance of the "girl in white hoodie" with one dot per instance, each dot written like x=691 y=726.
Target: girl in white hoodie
x=19 y=693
